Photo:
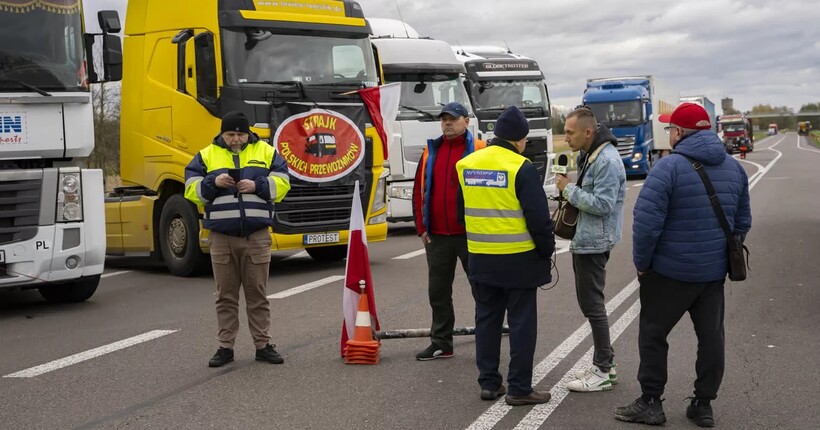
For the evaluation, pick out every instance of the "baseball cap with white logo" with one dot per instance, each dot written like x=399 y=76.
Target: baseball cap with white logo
x=688 y=115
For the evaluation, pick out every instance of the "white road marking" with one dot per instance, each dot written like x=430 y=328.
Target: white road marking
x=410 y=255
x=539 y=413
x=108 y=275
x=497 y=411
x=639 y=184
x=88 y=355
x=809 y=149
x=297 y=255
x=306 y=287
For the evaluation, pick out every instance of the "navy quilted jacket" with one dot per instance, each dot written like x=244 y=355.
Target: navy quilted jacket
x=675 y=231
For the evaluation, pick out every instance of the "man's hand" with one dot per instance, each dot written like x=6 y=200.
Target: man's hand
x=246 y=186
x=425 y=238
x=561 y=182
x=224 y=181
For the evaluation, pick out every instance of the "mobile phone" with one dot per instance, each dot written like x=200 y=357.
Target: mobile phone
x=234 y=174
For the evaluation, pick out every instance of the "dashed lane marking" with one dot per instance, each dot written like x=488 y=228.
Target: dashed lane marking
x=306 y=287
x=88 y=355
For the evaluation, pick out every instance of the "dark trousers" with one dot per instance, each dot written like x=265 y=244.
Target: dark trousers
x=443 y=252
x=663 y=303
x=590 y=279
x=522 y=316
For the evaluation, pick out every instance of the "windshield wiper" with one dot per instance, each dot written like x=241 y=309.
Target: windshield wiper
x=295 y=84
x=26 y=85
x=493 y=107
x=423 y=112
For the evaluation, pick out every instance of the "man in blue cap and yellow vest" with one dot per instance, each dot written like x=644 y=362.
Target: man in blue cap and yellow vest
x=510 y=241
x=238 y=212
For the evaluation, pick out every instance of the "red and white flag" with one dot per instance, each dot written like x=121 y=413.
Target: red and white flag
x=382 y=103
x=357 y=269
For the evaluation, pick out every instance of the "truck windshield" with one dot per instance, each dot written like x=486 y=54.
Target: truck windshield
x=423 y=94
x=618 y=113
x=489 y=95
x=733 y=127
x=42 y=46
x=255 y=55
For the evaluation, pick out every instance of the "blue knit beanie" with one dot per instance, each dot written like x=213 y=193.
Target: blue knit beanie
x=511 y=125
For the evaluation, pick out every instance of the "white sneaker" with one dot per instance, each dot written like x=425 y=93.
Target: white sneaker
x=613 y=373
x=592 y=380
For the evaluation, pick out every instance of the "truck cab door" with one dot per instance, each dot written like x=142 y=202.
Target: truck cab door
x=194 y=102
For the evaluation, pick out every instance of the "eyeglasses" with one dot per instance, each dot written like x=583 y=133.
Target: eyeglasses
x=668 y=128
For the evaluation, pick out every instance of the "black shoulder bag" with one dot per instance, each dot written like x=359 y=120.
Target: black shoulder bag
x=738 y=253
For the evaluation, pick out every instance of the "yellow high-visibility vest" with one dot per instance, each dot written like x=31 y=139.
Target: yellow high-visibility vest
x=494 y=219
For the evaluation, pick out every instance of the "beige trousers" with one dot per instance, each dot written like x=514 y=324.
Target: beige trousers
x=245 y=262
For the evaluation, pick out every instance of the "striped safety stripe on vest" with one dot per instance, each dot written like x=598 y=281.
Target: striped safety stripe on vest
x=494 y=219
x=228 y=207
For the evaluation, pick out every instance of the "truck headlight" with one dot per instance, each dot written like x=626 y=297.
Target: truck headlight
x=638 y=156
x=69 y=198
x=379 y=200
x=399 y=191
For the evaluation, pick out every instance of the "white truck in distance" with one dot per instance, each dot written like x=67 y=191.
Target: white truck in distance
x=52 y=226
x=430 y=78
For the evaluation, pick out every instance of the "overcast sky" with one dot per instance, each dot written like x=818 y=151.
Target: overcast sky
x=754 y=51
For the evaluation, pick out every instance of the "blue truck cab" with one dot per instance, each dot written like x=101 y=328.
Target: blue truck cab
x=630 y=107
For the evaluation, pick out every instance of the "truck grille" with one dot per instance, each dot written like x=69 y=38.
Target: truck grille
x=19 y=209
x=625 y=149
x=308 y=209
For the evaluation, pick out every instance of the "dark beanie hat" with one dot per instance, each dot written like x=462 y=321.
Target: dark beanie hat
x=511 y=125
x=235 y=121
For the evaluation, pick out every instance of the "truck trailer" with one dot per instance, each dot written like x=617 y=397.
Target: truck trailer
x=630 y=107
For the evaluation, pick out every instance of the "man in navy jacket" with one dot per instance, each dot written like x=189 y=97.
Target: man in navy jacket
x=679 y=250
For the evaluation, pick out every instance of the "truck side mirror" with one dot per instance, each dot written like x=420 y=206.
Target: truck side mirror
x=112 y=57
x=109 y=21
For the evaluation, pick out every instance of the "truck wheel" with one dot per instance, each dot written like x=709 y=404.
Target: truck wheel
x=179 y=238
x=328 y=253
x=73 y=292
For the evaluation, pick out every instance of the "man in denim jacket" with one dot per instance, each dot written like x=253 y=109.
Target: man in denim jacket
x=599 y=200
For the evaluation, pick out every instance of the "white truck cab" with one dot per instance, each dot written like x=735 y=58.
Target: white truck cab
x=430 y=77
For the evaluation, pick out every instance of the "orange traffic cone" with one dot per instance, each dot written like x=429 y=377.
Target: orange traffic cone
x=363 y=348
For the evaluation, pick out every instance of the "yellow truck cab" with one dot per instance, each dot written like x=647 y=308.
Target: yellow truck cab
x=292 y=68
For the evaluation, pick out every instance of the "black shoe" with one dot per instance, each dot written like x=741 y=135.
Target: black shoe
x=700 y=412
x=269 y=355
x=222 y=357
x=534 y=398
x=433 y=352
x=642 y=411
x=493 y=394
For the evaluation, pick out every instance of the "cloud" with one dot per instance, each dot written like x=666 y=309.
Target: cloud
x=755 y=51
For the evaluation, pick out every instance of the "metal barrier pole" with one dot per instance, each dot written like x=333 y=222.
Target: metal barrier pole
x=425 y=332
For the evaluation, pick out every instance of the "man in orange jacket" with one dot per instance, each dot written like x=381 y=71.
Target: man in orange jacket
x=434 y=209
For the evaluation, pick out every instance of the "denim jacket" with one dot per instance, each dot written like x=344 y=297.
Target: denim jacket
x=600 y=199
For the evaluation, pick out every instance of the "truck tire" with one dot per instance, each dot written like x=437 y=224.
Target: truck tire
x=328 y=253
x=72 y=292
x=179 y=238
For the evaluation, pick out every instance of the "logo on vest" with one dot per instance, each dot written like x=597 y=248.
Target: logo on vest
x=319 y=145
x=485 y=178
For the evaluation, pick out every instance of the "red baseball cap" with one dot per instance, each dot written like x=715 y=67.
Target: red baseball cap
x=688 y=115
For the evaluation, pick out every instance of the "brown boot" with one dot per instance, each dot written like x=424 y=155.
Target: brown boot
x=534 y=398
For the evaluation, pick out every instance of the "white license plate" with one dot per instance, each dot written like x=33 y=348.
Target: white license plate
x=320 y=238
